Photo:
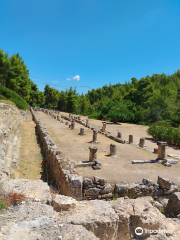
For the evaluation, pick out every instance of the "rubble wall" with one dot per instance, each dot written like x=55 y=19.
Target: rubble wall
x=10 y=119
x=57 y=170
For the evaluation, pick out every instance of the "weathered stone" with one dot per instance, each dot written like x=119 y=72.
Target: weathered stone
x=173 y=206
x=130 y=139
x=99 y=181
x=97 y=165
x=94 y=140
x=76 y=183
x=91 y=193
x=133 y=190
x=88 y=183
x=103 y=129
x=113 y=150
x=107 y=189
x=63 y=203
x=162 y=150
x=92 y=153
x=141 y=142
x=159 y=206
x=72 y=126
x=106 y=196
x=119 y=135
x=156 y=150
x=31 y=189
x=164 y=183
x=81 y=133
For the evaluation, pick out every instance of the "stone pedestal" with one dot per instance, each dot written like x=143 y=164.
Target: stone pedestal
x=72 y=125
x=94 y=140
x=162 y=150
x=92 y=154
x=130 y=139
x=81 y=133
x=113 y=150
x=103 y=127
x=141 y=142
x=119 y=135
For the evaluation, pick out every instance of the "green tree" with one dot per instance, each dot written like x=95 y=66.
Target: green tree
x=18 y=77
x=4 y=67
x=51 y=97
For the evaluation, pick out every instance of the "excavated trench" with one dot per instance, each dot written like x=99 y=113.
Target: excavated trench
x=30 y=158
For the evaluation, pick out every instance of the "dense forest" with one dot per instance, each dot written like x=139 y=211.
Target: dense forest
x=147 y=100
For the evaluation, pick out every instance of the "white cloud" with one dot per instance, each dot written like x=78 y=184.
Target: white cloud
x=74 y=78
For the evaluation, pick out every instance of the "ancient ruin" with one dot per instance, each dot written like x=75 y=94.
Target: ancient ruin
x=82 y=195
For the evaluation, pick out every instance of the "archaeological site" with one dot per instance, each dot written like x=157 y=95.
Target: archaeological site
x=65 y=176
x=90 y=120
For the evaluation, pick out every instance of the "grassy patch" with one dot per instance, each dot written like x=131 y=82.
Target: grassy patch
x=9 y=95
x=2 y=204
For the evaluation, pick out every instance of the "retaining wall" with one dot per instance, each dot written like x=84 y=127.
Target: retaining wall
x=10 y=119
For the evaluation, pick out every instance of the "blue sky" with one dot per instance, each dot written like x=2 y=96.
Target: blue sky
x=90 y=43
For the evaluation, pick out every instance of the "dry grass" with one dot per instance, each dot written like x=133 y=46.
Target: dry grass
x=11 y=199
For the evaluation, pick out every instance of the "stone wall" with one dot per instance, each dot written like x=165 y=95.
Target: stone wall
x=10 y=119
x=58 y=170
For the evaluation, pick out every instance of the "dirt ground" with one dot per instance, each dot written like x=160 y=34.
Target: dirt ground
x=114 y=169
x=29 y=165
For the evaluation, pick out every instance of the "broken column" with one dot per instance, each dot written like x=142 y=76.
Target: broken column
x=141 y=142
x=130 y=139
x=103 y=129
x=113 y=150
x=119 y=135
x=72 y=125
x=161 y=150
x=81 y=133
x=87 y=122
x=92 y=153
x=94 y=140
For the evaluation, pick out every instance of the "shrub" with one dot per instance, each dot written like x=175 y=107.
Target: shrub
x=164 y=132
x=8 y=94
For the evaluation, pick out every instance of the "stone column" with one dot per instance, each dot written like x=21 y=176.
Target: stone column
x=161 y=150
x=72 y=124
x=103 y=127
x=94 y=140
x=130 y=139
x=119 y=135
x=87 y=122
x=81 y=133
x=92 y=153
x=113 y=149
x=141 y=142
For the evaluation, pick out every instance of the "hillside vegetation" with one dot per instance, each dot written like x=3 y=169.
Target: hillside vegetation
x=8 y=95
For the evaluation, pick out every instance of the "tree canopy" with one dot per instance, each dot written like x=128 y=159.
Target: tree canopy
x=147 y=100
